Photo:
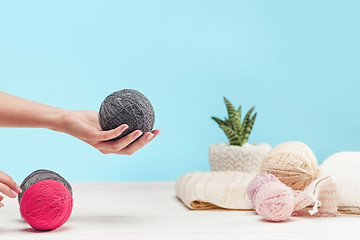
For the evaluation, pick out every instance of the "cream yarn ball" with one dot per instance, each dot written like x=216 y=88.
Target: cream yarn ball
x=293 y=163
x=345 y=168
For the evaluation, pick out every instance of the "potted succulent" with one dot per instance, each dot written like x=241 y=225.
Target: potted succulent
x=238 y=154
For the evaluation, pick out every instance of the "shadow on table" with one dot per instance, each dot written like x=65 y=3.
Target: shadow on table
x=32 y=230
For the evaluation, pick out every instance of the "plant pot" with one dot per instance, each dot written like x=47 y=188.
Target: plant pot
x=247 y=158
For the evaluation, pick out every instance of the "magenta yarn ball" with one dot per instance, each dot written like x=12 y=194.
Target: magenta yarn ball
x=275 y=202
x=46 y=205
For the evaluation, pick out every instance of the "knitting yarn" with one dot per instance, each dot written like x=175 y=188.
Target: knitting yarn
x=320 y=198
x=46 y=205
x=271 y=199
x=39 y=175
x=345 y=168
x=129 y=107
x=293 y=163
x=257 y=183
x=274 y=202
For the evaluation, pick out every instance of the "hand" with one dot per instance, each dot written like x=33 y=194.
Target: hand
x=85 y=126
x=8 y=187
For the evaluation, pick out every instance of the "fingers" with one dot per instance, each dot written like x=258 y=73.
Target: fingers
x=108 y=135
x=8 y=191
x=155 y=132
x=8 y=185
x=126 y=145
x=145 y=139
x=116 y=146
x=1 y=198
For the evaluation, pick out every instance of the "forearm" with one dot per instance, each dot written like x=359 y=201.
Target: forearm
x=19 y=112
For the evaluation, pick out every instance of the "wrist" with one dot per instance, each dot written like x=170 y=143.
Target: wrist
x=56 y=118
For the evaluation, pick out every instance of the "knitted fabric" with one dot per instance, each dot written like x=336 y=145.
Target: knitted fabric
x=321 y=196
x=247 y=158
x=214 y=190
x=293 y=163
x=227 y=190
x=127 y=106
x=345 y=168
x=39 y=175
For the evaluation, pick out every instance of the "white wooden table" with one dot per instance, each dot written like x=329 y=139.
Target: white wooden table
x=150 y=210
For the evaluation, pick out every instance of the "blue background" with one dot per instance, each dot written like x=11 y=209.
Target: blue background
x=296 y=61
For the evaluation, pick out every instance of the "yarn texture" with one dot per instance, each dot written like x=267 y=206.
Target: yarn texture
x=39 y=175
x=293 y=163
x=345 y=168
x=274 y=201
x=271 y=199
x=46 y=205
x=320 y=198
x=129 y=107
x=257 y=183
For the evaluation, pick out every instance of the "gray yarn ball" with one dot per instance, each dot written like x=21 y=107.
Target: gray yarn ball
x=127 y=106
x=39 y=175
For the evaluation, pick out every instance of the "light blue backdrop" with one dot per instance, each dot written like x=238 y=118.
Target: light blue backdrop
x=296 y=61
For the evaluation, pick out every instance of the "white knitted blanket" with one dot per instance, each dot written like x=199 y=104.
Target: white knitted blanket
x=211 y=190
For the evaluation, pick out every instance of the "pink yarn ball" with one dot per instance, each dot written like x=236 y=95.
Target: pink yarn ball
x=257 y=183
x=274 y=201
x=46 y=205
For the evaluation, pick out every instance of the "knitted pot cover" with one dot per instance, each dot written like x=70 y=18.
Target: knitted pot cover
x=247 y=158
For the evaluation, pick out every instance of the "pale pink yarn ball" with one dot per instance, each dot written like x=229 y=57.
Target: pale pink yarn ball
x=257 y=183
x=274 y=202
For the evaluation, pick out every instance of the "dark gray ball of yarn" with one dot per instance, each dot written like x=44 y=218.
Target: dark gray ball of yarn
x=39 y=175
x=127 y=106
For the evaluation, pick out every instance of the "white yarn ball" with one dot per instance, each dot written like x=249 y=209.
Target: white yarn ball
x=345 y=168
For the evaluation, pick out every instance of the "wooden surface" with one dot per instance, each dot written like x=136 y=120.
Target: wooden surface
x=150 y=210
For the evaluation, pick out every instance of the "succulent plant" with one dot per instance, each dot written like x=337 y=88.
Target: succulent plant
x=236 y=131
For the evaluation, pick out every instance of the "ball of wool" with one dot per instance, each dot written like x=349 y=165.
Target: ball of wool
x=46 y=205
x=345 y=168
x=39 y=175
x=129 y=107
x=293 y=163
x=257 y=183
x=274 y=202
